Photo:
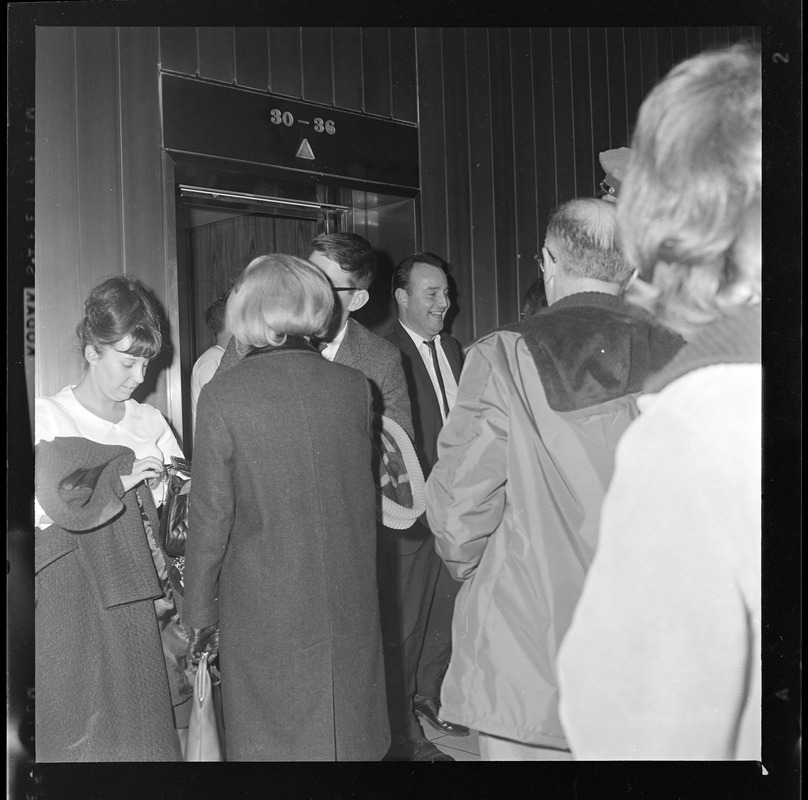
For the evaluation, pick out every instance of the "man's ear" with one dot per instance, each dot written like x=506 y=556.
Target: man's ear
x=359 y=299
x=548 y=265
x=402 y=297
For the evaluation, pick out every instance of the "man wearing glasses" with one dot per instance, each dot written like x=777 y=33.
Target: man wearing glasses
x=524 y=460
x=349 y=262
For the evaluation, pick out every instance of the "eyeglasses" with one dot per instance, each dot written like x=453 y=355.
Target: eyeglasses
x=344 y=289
x=606 y=189
x=552 y=257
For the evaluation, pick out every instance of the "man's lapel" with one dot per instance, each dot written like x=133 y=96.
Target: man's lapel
x=452 y=354
x=348 y=353
x=419 y=371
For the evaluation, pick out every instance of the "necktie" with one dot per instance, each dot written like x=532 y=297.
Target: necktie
x=431 y=345
x=319 y=344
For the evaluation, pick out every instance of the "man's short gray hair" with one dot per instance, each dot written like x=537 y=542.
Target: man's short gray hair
x=586 y=229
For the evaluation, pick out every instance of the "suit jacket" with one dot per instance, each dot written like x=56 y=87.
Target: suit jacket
x=424 y=403
x=370 y=354
x=381 y=363
x=426 y=416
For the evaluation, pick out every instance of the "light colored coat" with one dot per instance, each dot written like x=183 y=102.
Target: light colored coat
x=671 y=612
x=514 y=500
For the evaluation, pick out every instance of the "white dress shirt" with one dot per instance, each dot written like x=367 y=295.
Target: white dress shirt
x=330 y=349
x=449 y=382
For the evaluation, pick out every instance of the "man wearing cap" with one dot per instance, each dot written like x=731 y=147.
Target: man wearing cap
x=615 y=163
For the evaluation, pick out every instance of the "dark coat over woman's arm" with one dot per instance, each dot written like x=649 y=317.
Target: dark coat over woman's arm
x=212 y=509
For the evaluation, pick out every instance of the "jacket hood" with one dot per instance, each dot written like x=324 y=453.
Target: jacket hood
x=591 y=347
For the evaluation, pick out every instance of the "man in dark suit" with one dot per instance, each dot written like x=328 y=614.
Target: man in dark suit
x=349 y=263
x=424 y=598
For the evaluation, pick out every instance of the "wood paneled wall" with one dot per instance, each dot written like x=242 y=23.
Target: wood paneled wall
x=510 y=121
x=370 y=70
x=98 y=186
x=219 y=251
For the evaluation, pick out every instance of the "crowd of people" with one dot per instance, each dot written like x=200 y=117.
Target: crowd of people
x=585 y=580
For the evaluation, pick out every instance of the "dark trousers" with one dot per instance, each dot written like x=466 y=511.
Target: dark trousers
x=407 y=579
x=437 y=649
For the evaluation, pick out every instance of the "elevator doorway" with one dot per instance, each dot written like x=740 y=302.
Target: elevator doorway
x=219 y=231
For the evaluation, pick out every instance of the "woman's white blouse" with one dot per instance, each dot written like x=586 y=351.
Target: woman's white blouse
x=143 y=429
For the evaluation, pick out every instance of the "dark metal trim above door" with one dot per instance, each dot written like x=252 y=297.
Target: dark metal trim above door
x=238 y=124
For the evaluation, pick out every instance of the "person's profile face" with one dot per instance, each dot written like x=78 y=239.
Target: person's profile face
x=340 y=283
x=115 y=374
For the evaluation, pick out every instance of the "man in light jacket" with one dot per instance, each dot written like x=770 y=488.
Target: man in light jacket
x=523 y=464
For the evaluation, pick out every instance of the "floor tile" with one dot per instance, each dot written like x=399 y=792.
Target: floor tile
x=454 y=752
x=461 y=748
x=431 y=733
x=469 y=744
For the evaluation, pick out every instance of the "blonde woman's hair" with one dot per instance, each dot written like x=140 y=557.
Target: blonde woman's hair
x=689 y=208
x=278 y=296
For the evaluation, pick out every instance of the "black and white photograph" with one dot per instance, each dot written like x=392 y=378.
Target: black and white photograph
x=403 y=389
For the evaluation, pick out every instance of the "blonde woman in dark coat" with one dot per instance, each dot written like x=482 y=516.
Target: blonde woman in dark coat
x=283 y=545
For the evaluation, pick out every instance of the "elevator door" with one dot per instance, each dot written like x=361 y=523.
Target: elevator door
x=219 y=249
x=219 y=231
x=217 y=236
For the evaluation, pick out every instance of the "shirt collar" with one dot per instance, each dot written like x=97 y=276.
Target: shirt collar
x=331 y=347
x=417 y=338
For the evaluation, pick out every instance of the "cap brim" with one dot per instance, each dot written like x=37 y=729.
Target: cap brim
x=394 y=515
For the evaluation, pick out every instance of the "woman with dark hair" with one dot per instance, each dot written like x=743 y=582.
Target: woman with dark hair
x=670 y=613
x=110 y=647
x=282 y=562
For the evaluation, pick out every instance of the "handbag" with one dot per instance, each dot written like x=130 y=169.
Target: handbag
x=203 y=742
x=174 y=518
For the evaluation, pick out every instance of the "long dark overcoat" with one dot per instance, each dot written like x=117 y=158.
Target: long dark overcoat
x=281 y=552
x=102 y=693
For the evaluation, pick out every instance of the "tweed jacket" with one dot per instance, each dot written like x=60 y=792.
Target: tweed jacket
x=101 y=687
x=381 y=364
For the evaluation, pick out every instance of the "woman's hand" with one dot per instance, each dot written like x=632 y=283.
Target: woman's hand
x=149 y=468
x=204 y=640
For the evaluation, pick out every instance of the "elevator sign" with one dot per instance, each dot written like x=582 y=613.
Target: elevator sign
x=227 y=122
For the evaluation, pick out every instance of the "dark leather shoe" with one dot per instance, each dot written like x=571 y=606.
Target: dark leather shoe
x=420 y=749
x=427 y=708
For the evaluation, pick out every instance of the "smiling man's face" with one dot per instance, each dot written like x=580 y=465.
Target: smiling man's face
x=423 y=308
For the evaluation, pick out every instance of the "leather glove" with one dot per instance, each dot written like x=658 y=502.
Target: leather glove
x=204 y=640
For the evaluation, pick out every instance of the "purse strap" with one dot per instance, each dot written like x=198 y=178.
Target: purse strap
x=202 y=683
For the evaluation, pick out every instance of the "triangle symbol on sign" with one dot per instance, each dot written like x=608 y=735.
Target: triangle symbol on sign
x=304 y=151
